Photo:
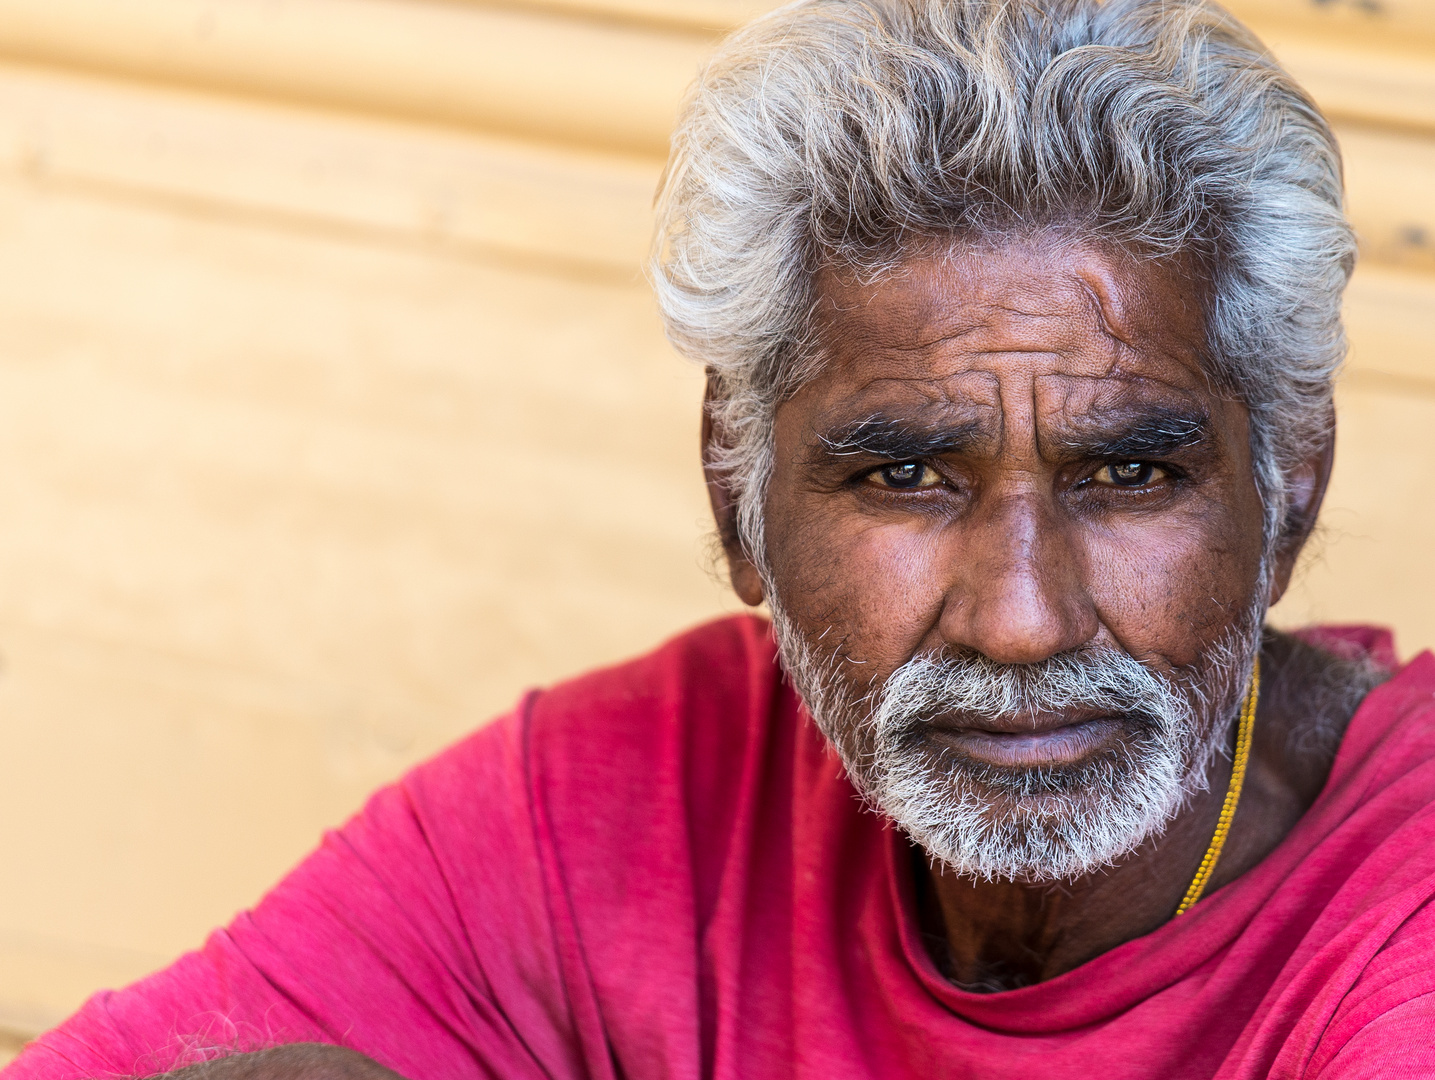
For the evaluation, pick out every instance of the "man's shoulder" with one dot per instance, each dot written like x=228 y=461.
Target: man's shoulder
x=672 y=722
x=694 y=708
x=721 y=666
x=640 y=776
x=1374 y=823
x=1393 y=730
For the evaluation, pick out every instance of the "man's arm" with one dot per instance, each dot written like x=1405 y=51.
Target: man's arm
x=297 y=1061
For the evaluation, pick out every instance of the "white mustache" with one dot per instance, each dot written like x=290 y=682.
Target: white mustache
x=1102 y=679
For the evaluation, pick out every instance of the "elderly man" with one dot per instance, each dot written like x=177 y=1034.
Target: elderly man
x=1020 y=321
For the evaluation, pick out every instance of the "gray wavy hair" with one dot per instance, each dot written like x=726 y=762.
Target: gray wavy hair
x=849 y=132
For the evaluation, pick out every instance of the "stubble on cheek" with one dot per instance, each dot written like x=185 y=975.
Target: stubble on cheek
x=1195 y=591
x=862 y=600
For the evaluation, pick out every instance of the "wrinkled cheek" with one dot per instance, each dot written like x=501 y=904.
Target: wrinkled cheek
x=1173 y=592
x=877 y=587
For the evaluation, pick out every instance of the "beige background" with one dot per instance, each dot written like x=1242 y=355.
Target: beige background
x=334 y=412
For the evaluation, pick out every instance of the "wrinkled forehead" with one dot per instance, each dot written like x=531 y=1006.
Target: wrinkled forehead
x=1057 y=339
x=1076 y=327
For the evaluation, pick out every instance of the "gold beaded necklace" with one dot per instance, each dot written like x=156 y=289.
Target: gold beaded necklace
x=1233 y=793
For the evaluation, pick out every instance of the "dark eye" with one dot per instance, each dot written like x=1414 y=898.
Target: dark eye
x=1129 y=474
x=905 y=476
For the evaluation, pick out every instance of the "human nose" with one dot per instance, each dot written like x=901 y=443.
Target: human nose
x=1018 y=595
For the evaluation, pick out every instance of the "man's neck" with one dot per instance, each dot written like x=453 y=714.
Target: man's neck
x=990 y=936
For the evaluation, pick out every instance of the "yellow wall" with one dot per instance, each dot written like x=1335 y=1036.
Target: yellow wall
x=334 y=412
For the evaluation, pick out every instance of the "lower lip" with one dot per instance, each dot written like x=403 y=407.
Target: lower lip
x=1068 y=745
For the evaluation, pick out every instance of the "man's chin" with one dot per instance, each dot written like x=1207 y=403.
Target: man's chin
x=1039 y=851
x=993 y=832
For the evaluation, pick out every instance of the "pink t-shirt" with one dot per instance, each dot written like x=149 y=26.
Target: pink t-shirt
x=659 y=871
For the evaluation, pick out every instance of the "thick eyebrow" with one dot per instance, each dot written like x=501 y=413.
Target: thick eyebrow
x=900 y=437
x=1158 y=432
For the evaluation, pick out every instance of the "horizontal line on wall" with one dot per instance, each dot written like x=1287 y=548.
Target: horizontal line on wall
x=562 y=210
x=505 y=69
x=1389 y=383
x=605 y=73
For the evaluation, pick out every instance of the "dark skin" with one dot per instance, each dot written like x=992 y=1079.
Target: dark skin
x=1022 y=532
x=1016 y=451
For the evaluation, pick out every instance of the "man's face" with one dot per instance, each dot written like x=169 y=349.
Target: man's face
x=1014 y=550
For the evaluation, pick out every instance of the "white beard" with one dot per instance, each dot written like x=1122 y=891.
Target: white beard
x=990 y=823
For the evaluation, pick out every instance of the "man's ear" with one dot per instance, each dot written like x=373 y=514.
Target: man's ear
x=746 y=581
x=1305 y=489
